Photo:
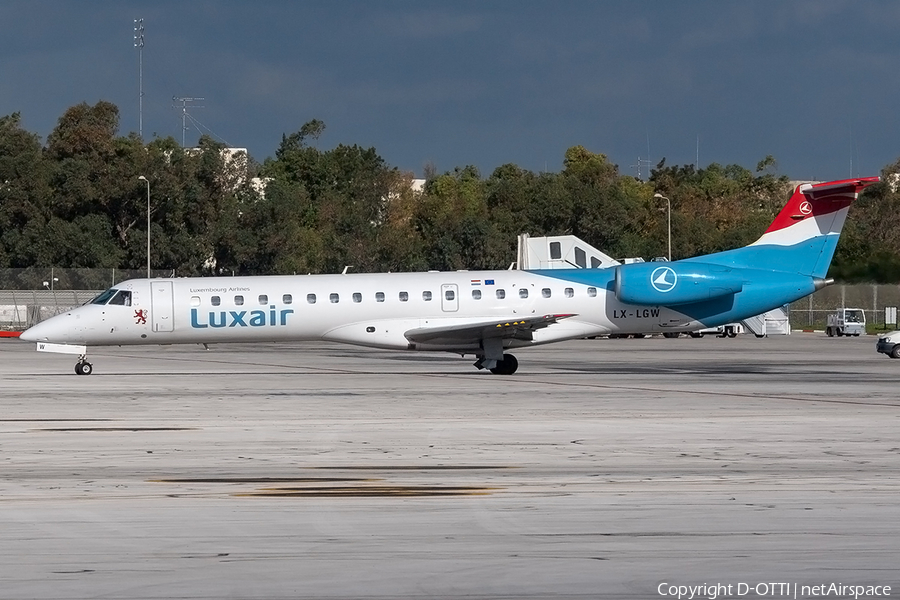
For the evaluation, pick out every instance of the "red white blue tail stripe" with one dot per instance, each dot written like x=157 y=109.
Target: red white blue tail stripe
x=804 y=235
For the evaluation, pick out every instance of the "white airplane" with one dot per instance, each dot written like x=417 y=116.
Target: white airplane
x=479 y=313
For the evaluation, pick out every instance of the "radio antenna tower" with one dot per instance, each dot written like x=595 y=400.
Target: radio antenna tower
x=184 y=112
x=139 y=44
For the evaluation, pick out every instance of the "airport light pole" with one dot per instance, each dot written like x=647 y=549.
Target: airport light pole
x=669 y=218
x=145 y=180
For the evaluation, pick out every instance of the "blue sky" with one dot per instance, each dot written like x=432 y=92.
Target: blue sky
x=812 y=82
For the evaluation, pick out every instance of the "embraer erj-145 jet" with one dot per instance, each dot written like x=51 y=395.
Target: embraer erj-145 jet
x=479 y=313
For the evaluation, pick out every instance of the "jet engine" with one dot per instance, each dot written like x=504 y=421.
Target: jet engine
x=675 y=283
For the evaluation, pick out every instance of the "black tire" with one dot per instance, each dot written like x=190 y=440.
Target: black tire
x=829 y=332
x=671 y=334
x=840 y=332
x=696 y=334
x=507 y=366
x=84 y=368
x=895 y=351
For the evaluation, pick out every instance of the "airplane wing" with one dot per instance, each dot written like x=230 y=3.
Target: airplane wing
x=516 y=328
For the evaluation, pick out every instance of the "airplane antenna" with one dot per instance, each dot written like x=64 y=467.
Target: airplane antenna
x=346 y=268
x=139 y=44
x=184 y=112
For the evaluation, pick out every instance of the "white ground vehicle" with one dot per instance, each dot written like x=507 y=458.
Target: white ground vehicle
x=846 y=321
x=889 y=343
x=730 y=330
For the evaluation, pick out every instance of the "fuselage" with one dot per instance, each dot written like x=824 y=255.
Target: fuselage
x=375 y=310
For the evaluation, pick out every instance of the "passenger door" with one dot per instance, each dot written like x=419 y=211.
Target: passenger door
x=162 y=306
x=450 y=297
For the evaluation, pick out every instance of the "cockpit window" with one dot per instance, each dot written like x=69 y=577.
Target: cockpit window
x=122 y=298
x=104 y=297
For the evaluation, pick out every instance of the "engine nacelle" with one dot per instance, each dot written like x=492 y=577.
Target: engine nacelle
x=675 y=283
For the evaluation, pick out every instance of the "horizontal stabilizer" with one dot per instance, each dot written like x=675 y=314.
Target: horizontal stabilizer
x=848 y=186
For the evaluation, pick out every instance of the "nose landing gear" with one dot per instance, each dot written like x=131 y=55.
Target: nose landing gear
x=83 y=367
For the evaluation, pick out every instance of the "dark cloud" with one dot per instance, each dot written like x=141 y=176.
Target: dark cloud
x=810 y=81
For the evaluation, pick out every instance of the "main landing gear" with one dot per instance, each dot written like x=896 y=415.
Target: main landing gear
x=83 y=367
x=505 y=366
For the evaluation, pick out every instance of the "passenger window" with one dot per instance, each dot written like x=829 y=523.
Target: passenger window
x=287 y=298
x=592 y=292
x=426 y=296
x=555 y=250
x=404 y=296
x=523 y=292
x=501 y=293
x=335 y=298
x=476 y=294
x=449 y=294
x=215 y=301
x=569 y=292
x=379 y=296
x=263 y=299
x=122 y=298
x=238 y=300
x=357 y=297
x=595 y=263
x=311 y=298
x=195 y=300
x=545 y=292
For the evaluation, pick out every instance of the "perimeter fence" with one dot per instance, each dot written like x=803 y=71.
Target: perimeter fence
x=812 y=312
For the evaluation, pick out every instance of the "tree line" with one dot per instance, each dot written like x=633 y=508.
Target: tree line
x=76 y=201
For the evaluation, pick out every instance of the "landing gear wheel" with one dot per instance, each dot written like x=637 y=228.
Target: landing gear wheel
x=671 y=334
x=696 y=334
x=506 y=366
x=84 y=368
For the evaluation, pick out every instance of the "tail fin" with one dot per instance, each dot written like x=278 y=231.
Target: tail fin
x=804 y=235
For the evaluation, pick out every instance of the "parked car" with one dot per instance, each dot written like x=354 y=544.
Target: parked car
x=889 y=344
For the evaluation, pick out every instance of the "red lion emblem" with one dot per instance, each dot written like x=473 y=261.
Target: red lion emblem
x=140 y=317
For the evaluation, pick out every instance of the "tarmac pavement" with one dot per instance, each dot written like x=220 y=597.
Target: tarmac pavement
x=601 y=469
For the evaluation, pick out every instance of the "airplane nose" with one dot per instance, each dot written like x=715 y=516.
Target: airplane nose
x=45 y=331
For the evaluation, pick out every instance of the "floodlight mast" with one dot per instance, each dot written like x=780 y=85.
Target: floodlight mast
x=139 y=44
x=145 y=180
